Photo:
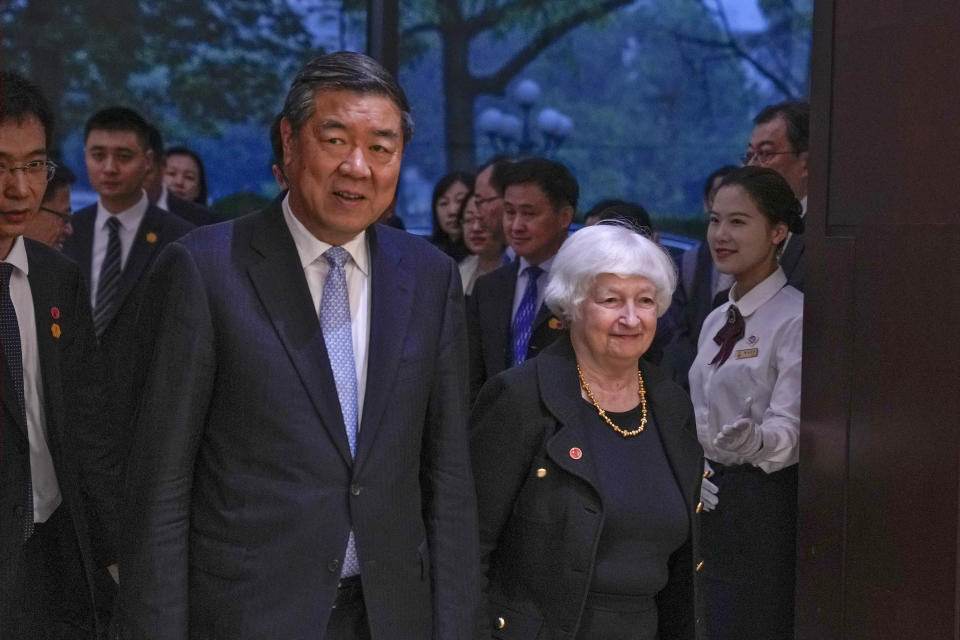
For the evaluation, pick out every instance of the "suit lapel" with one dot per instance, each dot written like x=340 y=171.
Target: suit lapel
x=391 y=304
x=45 y=294
x=9 y=397
x=145 y=246
x=282 y=288
x=500 y=316
x=791 y=255
x=560 y=390
x=80 y=245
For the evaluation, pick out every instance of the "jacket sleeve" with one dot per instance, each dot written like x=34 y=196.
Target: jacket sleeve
x=168 y=429
x=450 y=511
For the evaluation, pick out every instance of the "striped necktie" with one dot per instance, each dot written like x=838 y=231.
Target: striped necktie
x=10 y=336
x=109 y=283
x=523 y=321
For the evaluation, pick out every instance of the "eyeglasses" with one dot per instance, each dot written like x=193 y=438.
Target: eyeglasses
x=482 y=201
x=65 y=217
x=762 y=157
x=37 y=171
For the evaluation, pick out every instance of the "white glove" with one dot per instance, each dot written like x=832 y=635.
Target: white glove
x=741 y=436
x=708 y=491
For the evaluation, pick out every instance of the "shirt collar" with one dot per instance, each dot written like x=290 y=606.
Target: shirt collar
x=18 y=256
x=545 y=265
x=803 y=206
x=129 y=218
x=756 y=297
x=310 y=249
x=163 y=201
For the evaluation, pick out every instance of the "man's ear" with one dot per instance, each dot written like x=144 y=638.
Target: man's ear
x=804 y=155
x=287 y=137
x=566 y=215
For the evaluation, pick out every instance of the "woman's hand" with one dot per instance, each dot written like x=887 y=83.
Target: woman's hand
x=740 y=436
x=709 y=492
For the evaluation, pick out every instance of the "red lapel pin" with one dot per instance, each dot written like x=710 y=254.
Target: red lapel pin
x=575 y=453
x=55 y=312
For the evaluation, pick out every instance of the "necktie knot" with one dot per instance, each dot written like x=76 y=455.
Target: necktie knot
x=113 y=224
x=533 y=272
x=336 y=256
x=6 y=270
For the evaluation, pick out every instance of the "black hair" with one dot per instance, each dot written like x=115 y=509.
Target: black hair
x=120 y=119
x=276 y=141
x=554 y=179
x=443 y=184
x=20 y=99
x=631 y=213
x=155 y=143
x=201 y=172
x=708 y=189
x=62 y=177
x=771 y=193
x=796 y=113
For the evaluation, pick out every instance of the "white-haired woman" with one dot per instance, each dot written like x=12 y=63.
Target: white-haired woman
x=587 y=464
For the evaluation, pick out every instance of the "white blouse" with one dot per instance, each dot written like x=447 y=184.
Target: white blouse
x=764 y=365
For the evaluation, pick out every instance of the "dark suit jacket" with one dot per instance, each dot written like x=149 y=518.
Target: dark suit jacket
x=195 y=214
x=241 y=490
x=792 y=261
x=71 y=387
x=490 y=316
x=122 y=364
x=538 y=533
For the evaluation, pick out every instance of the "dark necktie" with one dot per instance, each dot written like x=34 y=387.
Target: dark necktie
x=109 y=283
x=523 y=321
x=337 y=330
x=10 y=335
x=729 y=334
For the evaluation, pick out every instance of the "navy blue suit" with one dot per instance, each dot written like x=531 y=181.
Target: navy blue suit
x=241 y=490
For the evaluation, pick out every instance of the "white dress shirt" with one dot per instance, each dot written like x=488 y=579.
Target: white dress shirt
x=764 y=365
x=130 y=220
x=46 y=489
x=163 y=201
x=357 y=272
x=523 y=277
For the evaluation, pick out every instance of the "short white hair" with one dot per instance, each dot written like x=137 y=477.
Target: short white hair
x=608 y=247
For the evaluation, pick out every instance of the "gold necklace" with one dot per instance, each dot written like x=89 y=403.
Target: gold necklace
x=641 y=390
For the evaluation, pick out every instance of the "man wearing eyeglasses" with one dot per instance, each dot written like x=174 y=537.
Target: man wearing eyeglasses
x=52 y=223
x=50 y=397
x=780 y=141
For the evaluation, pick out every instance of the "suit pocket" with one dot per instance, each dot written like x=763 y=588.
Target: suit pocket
x=510 y=623
x=219 y=558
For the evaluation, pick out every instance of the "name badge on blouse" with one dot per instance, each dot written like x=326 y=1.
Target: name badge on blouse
x=745 y=353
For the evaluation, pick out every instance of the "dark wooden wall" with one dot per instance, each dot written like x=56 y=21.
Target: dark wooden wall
x=880 y=443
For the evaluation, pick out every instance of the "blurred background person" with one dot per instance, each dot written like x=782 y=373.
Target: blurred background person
x=448 y=195
x=184 y=175
x=52 y=223
x=486 y=245
x=745 y=386
x=631 y=212
x=158 y=193
x=587 y=464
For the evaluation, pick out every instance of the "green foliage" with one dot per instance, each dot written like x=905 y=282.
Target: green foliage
x=196 y=62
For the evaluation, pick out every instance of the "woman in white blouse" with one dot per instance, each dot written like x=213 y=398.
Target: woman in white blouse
x=745 y=386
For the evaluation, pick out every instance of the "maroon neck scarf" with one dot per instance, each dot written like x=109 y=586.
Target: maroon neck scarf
x=729 y=334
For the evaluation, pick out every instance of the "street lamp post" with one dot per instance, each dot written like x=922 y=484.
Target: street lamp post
x=508 y=132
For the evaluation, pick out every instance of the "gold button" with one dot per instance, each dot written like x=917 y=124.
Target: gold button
x=541 y=473
x=501 y=623
x=699 y=507
x=699 y=566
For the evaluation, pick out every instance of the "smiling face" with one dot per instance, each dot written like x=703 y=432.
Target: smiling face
x=344 y=163
x=533 y=227
x=479 y=238
x=617 y=320
x=181 y=175
x=742 y=241
x=117 y=164
x=20 y=193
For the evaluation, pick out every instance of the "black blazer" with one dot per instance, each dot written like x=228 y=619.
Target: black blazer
x=195 y=214
x=71 y=386
x=792 y=261
x=123 y=365
x=538 y=532
x=489 y=318
x=241 y=489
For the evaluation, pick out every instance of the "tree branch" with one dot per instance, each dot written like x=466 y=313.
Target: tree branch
x=493 y=15
x=547 y=36
x=423 y=27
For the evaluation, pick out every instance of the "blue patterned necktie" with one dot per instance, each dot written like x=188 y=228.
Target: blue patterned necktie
x=338 y=336
x=109 y=282
x=523 y=321
x=10 y=335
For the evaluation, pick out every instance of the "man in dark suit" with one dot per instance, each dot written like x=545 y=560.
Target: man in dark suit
x=158 y=193
x=781 y=141
x=50 y=387
x=114 y=242
x=301 y=466
x=508 y=321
